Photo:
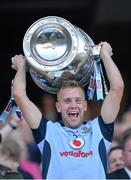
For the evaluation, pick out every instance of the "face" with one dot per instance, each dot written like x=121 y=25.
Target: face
x=72 y=105
x=116 y=160
x=127 y=154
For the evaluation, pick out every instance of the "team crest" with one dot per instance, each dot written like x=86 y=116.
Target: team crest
x=77 y=143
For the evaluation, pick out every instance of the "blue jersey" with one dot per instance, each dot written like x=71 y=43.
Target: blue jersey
x=79 y=153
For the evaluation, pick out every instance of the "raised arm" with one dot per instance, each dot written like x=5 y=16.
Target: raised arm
x=111 y=104
x=29 y=110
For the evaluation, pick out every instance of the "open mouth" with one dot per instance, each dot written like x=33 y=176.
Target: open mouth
x=73 y=114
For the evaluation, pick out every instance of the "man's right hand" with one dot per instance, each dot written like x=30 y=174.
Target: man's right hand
x=18 y=61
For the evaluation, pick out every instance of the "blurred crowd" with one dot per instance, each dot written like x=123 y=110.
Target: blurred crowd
x=20 y=157
x=119 y=155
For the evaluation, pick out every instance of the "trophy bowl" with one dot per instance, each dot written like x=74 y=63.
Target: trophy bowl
x=53 y=46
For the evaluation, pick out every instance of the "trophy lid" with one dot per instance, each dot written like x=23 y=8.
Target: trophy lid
x=50 y=44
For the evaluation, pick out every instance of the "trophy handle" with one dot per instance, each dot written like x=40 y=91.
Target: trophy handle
x=96 y=50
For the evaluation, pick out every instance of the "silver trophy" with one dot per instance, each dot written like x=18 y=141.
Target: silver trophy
x=53 y=46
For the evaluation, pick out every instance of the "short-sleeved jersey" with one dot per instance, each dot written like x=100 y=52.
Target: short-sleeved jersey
x=64 y=158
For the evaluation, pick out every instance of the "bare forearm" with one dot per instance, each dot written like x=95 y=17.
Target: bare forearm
x=19 y=83
x=29 y=110
x=111 y=104
x=113 y=73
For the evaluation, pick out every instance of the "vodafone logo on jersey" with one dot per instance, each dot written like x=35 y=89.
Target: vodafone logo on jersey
x=76 y=154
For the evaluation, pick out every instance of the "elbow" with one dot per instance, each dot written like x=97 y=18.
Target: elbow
x=119 y=87
x=16 y=94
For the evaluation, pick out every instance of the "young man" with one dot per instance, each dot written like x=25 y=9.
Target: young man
x=72 y=149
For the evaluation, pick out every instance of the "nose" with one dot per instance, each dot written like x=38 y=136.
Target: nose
x=119 y=163
x=73 y=103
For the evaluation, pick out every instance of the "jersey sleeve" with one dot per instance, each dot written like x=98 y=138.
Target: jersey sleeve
x=106 y=129
x=40 y=132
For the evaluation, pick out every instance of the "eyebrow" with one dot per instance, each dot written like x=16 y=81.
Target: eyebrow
x=74 y=98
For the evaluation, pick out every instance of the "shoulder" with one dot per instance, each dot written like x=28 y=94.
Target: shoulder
x=118 y=174
x=106 y=130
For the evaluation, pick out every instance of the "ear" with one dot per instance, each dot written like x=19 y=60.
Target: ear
x=123 y=154
x=85 y=105
x=57 y=105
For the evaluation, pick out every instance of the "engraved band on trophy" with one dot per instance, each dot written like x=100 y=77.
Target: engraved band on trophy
x=52 y=46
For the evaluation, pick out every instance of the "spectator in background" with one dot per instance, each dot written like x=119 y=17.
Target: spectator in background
x=30 y=157
x=10 y=153
x=124 y=173
x=30 y=161
x=115 y=159
x=123 y=123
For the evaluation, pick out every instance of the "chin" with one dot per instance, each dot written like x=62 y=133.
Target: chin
x=74 y=125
